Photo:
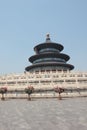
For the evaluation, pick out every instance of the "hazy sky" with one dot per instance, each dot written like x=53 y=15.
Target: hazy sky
x=25 y=23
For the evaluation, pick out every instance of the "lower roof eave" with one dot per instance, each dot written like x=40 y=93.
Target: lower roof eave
x=69 y=66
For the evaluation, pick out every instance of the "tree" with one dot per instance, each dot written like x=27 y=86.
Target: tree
x=29 y=90
x=59 y=90
x=3 y=90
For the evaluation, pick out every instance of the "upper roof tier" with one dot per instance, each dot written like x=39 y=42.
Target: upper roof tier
x=48 y=44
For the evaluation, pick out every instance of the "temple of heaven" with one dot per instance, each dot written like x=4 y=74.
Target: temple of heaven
x=49 y=57
x=48 y=70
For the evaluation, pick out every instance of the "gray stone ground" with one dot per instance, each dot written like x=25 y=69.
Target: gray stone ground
x=43 y=114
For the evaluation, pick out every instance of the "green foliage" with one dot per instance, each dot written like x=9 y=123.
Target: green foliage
x=59 y=90
x=29 y=90
x=3 y=90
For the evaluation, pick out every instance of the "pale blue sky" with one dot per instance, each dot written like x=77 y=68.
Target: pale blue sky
x=24 y=24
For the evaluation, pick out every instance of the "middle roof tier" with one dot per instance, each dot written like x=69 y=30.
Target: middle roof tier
x=60 y=57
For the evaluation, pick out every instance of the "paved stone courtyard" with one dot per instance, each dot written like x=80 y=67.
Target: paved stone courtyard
x=43 y=114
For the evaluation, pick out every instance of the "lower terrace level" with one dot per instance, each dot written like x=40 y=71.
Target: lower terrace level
x=45 y=93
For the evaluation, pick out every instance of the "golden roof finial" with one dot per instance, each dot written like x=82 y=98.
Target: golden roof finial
x=47 y=35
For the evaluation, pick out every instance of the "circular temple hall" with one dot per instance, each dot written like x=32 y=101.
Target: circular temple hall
x=49 y=57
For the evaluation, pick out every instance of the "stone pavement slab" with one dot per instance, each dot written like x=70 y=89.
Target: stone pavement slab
x=43 y=114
